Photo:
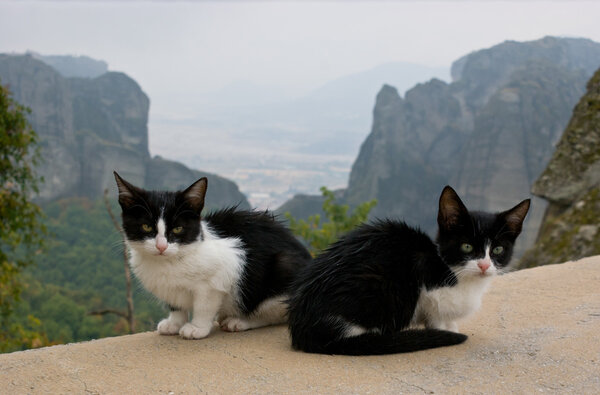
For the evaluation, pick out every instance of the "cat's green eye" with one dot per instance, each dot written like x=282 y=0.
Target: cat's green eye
x=146 y=228
x=498 y=250
x=466 y=248
x=178 y=230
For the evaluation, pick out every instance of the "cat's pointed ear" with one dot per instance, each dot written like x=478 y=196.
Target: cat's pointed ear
x=127 y=192
x=515 y=216
x=451 y=209
x=195 y=194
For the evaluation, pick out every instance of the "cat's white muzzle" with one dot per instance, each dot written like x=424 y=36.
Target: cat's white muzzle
x=154 y=247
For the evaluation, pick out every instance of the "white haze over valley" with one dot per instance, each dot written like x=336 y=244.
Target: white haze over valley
x=277 y=96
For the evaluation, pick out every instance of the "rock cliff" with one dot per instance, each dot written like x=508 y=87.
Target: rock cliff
x=489 y=133
x=571 y=185
x=89 y=127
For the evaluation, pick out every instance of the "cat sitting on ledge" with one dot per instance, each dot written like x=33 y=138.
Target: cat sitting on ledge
x=231 y=265
x=367 y=292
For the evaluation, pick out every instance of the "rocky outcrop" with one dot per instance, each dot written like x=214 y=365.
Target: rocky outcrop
x=571 y=185
x=89 y=127
x=74 y=66
x=110 y=116
x=112 y=107
x=513 y=138
x=39 y=87
x=545 y=342
x=166 y=174
x=399 y=164
x=489 y=133
x=303 y=206
x=481 y=73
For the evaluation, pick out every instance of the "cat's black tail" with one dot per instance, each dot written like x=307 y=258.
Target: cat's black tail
x=376 y=344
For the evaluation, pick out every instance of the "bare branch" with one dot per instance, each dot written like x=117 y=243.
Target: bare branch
x=129 y=316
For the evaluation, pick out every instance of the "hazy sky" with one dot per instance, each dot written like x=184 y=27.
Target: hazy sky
x=177 y=50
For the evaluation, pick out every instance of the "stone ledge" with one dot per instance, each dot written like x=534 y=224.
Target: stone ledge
x=536 y=332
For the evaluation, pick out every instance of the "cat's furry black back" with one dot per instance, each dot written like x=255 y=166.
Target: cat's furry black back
x=273 y=254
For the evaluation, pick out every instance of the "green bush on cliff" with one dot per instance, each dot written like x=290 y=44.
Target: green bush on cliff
x=320 y=234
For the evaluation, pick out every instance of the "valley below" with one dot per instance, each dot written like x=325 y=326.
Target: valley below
x=268 y=170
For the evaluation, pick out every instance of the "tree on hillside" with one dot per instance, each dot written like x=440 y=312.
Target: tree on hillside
x=129 y=316
x=319 y=235
x=21 y=229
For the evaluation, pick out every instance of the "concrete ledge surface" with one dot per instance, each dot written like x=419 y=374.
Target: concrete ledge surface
x=538 y=331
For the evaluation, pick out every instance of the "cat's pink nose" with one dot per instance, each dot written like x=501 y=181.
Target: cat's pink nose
x=161 y=244
x=483 y=266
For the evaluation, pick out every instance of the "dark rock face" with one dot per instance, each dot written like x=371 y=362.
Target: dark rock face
x=40 y=87
x=399 y=162
x=513 y=138
x=112 y=107
x=571 y=185
x=303 y=206
x=90 y=127
x=489 y=133
x=110 y=114
x=483 y=72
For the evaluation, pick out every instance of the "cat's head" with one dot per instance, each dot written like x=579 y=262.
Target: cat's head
x=476 y=244
x=161 y=223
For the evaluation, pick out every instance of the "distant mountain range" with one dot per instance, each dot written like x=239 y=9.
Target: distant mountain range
x=489 y=133
x=89 y=127
x=282 y=144
x=339 y=111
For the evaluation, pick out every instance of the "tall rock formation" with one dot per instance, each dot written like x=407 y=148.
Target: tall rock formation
x=571 y=184
x=514 y=136
x=89 y=127
x=489 y=133
x=401 y=163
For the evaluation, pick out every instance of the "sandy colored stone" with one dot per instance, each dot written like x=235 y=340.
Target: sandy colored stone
x=538 y=331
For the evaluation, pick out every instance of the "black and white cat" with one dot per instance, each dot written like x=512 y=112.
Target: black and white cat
x=367 y=292
x=231 y=266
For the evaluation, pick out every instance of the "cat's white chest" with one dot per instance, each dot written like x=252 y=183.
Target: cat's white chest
x=165 y=279
x=213 y=263
x=440 y=307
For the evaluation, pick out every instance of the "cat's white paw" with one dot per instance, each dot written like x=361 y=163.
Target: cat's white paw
x=235 y=324
x=436 y=325
x=191 y=331
x=168 y=327
x=452 y=326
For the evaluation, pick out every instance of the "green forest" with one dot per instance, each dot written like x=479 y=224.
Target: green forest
x=81 y=271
